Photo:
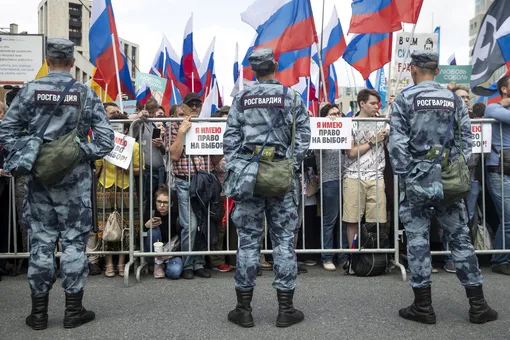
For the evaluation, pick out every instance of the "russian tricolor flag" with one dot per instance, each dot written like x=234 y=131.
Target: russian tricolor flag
x=375 y=16
x=207 y=71
x=158 y=64
x=293 y=65
x=451 y=60
x=333 y=41
x=143 y=94
x=102 y=26
x=332 y=83
x=409 y=10
x=283 y=25
x=369 y=52
x=307 y=90
x=189 y=75
x=212 y=102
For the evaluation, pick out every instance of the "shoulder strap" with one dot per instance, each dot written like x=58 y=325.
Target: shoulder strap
x=294 y=114
x=450 y=128
x=64 y=93
x=273 y=123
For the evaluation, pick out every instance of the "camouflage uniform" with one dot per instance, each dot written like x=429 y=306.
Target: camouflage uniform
x=61 y=211
x=247 y=127
x=420 y=122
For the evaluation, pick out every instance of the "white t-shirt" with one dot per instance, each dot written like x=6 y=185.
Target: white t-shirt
x=371 y=165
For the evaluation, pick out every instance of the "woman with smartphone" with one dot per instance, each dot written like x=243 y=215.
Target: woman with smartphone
x=164 y=231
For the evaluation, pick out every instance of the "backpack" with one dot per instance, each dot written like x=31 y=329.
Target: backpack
x=366 y=264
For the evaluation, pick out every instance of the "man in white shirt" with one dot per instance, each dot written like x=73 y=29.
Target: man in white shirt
x=364 y=173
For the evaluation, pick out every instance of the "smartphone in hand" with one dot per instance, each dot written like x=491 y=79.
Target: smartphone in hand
x=156 y=133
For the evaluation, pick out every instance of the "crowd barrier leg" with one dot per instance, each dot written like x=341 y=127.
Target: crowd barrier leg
x=397 y=233
x=131 y=262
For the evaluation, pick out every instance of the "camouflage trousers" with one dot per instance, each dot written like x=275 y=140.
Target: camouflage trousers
x=60 y=212
x=453 y=220
x=282 y=220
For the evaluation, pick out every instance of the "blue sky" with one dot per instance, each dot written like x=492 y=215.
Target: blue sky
x=143 y=22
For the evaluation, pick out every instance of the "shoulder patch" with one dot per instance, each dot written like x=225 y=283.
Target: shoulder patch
x=252 y=102
x=433 y=103
x=52 y=98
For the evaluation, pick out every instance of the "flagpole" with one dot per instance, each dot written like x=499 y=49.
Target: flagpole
x=307 y=92
x=222 y=93
x=101 y=93
x=173 y=92
x=192 y=81
x=322 y=73
x=319 y=53
x=405 y=59
x=119 y=95
x=350 y=85
x=241 y=77
x=105 y=93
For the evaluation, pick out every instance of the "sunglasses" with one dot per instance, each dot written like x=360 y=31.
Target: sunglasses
x=195 y=104
x=158 y=202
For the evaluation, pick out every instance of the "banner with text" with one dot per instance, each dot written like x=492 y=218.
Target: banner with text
x=128 y=105
x=476 y=130
x=331 y=134
x=122 y=153
x=454 y=73
x=205 y=139
x=420 y=41
x=156 y=83
x=21 y=56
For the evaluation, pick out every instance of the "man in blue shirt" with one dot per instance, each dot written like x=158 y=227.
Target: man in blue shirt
x=499 y=186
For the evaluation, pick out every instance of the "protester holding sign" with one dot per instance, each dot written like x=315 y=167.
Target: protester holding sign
x=184 y=168
x=113 y=196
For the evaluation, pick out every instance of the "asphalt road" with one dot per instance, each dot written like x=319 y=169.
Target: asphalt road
x=335 y=306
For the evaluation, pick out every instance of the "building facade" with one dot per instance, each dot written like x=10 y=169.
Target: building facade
x=70 y=19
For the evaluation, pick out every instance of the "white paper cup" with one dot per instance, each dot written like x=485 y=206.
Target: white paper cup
x=158 y=247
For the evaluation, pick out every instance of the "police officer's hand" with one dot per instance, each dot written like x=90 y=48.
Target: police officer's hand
x=505 y=102
x=185 y=125
x=4 y=174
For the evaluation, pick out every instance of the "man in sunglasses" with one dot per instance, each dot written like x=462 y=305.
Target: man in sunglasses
x=183 y=171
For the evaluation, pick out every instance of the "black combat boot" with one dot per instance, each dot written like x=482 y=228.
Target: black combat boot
x=241 y=315
x=287 y=314
x=421 y=310
x=75 y=314
x=480 y=312
x=38 y=319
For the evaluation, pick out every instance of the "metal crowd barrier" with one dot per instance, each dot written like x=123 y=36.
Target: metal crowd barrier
x=138 y=254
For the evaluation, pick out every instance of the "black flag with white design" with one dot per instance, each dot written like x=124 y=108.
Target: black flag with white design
x=492 y=47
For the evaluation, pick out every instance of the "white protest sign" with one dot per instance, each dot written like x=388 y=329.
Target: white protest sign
x=476 y=130
x=331 y=134
x=205 y=139
x=122 y=153
x=420 y=42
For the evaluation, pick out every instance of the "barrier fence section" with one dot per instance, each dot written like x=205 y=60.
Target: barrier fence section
x=340 y=183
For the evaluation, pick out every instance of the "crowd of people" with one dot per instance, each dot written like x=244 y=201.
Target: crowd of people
x=356 y=187
x=165 y=169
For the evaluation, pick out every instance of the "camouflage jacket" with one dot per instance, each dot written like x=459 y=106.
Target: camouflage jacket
x=34 y=103
x=250 y=119
x=420 y=122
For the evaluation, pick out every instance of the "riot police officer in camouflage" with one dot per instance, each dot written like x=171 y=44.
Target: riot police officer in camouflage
x=430 y=127
x=62 y=211
x=266 y=108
